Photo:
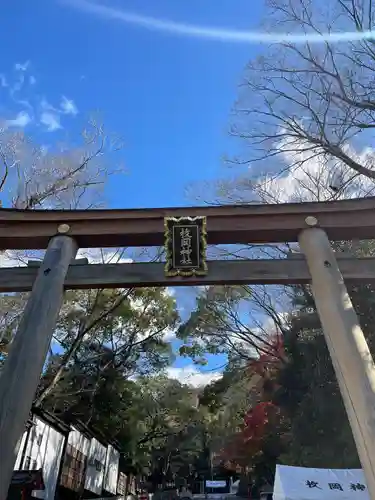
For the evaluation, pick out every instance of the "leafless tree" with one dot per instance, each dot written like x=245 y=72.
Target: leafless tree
x=61 y=176
x=243 y=322
x=310 y=106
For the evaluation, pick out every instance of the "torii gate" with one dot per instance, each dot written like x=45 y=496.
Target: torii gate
x=313 y=225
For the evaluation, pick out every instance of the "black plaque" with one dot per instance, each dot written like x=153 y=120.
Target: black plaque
x=185 y=246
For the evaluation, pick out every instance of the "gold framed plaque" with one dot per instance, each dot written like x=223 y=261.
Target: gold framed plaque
x=185 y=246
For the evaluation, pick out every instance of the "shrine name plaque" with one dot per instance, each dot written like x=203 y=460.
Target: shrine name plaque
x=185 y=246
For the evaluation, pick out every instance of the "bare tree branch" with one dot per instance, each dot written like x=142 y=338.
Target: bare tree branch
x=301 y=103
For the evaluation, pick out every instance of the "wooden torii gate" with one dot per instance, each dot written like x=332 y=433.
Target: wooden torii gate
x=313 y=225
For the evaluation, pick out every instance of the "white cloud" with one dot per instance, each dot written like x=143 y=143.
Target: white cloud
x=169 y=335
x=190 y=375
x=103 y=256
x=16 y=86
x=267 y=329
x=68 y=106
x=169 y=292
x=22 y=66
x=25 y=103
x=311 y=175
x=21 y=120
x=50 y=120
x=212 y=33
x=19 y=86
x=94 y=256
x=46 y=106
x=8 y=259
x=50 y=116
x=3 y=81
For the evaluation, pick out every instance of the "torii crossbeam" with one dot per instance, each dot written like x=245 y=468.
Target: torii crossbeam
x=228 y=224
x=311 y=224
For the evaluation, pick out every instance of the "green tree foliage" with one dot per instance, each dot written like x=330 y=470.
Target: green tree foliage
x=162 y=411
x=319 y=433
x=149 y=417
x=107 y=369
x=124 y=327
x=11 y=307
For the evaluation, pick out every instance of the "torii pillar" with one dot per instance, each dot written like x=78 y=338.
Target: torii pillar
x=24 y=364
x=351 y=357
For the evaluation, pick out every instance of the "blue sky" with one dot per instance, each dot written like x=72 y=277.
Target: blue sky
x=168 y=96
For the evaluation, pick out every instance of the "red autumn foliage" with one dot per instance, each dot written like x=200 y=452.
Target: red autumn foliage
x=270 y=359
x=256 y=420
x=248 y=442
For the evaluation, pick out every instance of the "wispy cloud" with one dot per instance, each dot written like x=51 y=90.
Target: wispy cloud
x=22 y=66
x=51 y=114
x=46 y=106
x=16 y=86
x=23 y=102
x=68 y=106
x=19 y=86
x=211 y=33
x=50 y=120
x=3 y=81
x=20 y=121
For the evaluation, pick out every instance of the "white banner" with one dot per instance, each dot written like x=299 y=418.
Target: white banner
x=302 y=483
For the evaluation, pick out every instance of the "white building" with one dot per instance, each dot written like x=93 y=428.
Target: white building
x=74 y=464
x=111 y=472
x=73 y=461
x=95 y=467
x=42 y=447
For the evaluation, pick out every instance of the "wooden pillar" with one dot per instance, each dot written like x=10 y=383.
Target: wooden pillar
x=23 y=367
x=352 y=360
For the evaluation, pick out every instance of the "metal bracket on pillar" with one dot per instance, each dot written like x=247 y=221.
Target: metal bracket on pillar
x=311 y=221
x=63 y=229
